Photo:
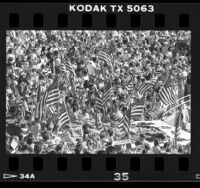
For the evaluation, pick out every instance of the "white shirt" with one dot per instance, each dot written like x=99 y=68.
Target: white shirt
x=57 y=62
x=185 y=73
x=91 y=66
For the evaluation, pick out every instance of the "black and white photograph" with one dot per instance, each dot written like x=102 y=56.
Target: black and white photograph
x=98 y=92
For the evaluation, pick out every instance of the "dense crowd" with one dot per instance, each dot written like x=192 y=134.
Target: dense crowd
x=35 y=58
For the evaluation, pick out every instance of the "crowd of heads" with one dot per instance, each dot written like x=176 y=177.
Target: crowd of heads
x=36 y=57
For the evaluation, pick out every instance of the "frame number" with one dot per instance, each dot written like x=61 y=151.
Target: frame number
x=124 y=176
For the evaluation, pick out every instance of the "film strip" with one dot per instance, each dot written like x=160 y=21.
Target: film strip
x=29 y=166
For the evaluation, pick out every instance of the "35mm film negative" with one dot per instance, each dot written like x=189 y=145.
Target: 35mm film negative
x=99 y=92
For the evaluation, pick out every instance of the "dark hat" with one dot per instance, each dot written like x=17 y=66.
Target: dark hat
x=79 y=140
x=110 y=149
x=142 y=136
x=110 y=131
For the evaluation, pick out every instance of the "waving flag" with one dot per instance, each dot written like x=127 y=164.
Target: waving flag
x=166 y=93
x=51 y=110
x=144 y=87
x=108 y=93
x=69 y=67
x=63 y=68
x=108 y=59
x=105 y=57
x=153 y=80
x=20 y=101
x=137 y=108
x=40 y=107
x=124 y=123
x=99 y=101
x=129 y=86
x=53 y=93
x=63 y=116
x=65 y=77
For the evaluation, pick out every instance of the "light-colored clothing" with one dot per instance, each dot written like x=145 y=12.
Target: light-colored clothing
x=91 y=68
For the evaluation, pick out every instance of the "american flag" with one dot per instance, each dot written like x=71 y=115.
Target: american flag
x=23 y=110
x=98 y=101
x=108 y=59
x=153 y=80
x=66 y=79
x=129 y=86
x=53 y=93
x=120 y=126
x=166 y=93
x=20 y=101
x=52 y=109
x=108 y=93
x=137 y=108
x=105 y=109
x=40 y=107
x=112 y=62
x=144 y=87
x=63 y=67
x=69 y=67
x=63 y=116
x=124 y=123
x=175 y=88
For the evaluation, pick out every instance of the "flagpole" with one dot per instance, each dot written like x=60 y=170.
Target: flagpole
x=129 y=121
x=168 y=76
x=155 y=88
x=140 y=121
x=58 y=115
x=45 y=113
x=58 y=102
x=96 y=121
x=143 y=115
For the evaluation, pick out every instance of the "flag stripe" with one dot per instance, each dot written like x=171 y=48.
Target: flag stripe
x=144 y=87
x=167 y=94
x=99 y=101
x=108 y=59
x=108 y=93
x=63 y=117
x=129 y=86
x=69 y=67
x=123 y=123
x=53 y=93
x=40 y=106
x=137 y=108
